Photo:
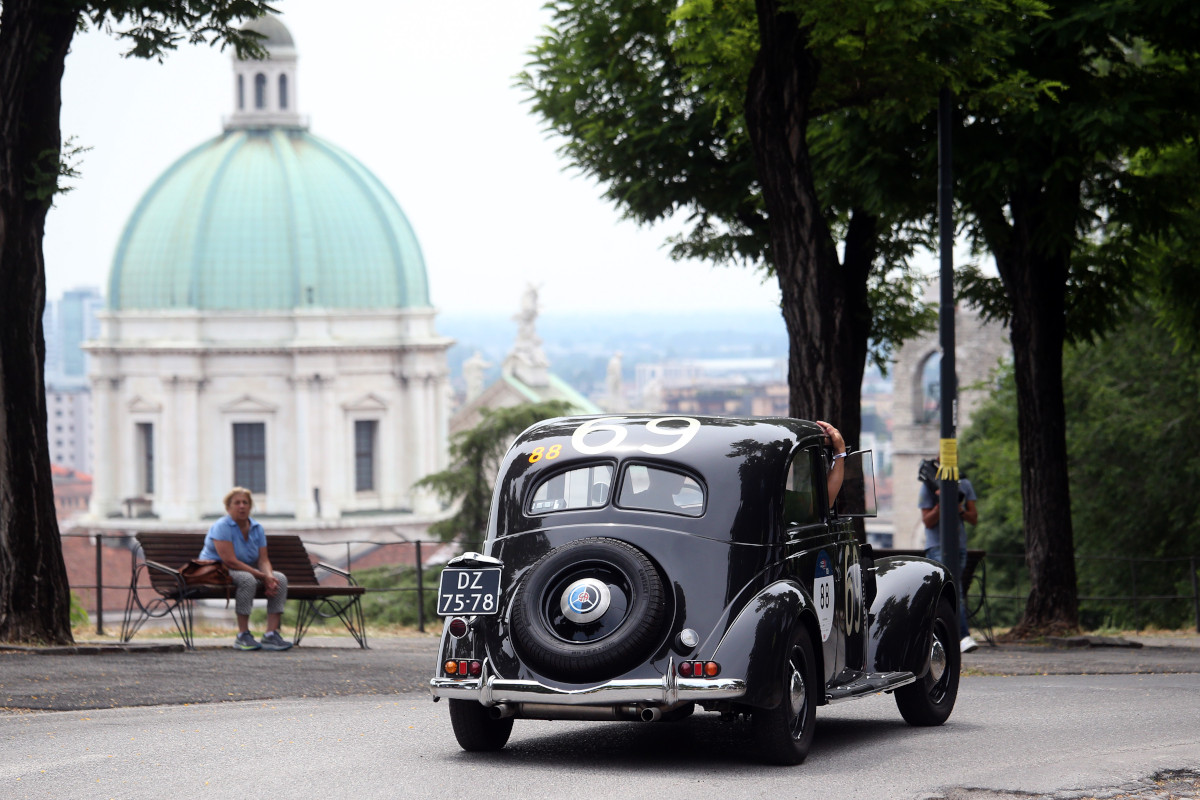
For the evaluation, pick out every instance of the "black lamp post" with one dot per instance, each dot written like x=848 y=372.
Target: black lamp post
x=948 y=447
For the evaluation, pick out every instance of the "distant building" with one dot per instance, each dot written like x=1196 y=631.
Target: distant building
x=72 y=491
x=979 y=347
x=525 y=376
x=67 y=323
x=269 y=325
x=68 y=426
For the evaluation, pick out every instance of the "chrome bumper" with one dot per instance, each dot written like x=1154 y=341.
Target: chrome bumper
x=669 y=690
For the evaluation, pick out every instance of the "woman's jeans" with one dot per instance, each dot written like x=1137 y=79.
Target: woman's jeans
x=935 y=553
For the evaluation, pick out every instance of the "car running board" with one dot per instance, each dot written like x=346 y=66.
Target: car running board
x=865 y=683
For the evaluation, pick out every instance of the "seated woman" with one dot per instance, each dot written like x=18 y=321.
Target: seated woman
x=240 y=542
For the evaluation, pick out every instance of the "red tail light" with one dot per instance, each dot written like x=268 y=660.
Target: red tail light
x=464 y=668
x=699 y=669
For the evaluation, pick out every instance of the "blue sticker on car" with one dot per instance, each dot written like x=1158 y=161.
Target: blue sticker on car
x=823 y=593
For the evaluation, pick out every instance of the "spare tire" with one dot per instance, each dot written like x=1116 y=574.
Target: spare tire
x=589 y=610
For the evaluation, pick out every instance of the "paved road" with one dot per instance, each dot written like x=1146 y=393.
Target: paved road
x=1035 y=734
x=335 y=667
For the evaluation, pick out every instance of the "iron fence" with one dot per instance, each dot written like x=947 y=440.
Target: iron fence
x=999 y=592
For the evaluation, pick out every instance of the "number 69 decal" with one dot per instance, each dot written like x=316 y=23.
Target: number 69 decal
x=616 y=435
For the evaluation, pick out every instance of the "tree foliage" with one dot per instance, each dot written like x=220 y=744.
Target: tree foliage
x=1132 y=422
x=35 y=36
x=475 y=457
x=1056 y=195
x=792 y=136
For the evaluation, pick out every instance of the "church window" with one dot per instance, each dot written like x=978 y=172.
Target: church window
x=364 y=454
x=241 y=92
x=260 y=98
x=283 y=98
x=145 y=445
x=250 y=456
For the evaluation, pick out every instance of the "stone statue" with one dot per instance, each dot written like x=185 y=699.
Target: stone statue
x=473 y=369
x=613 y=383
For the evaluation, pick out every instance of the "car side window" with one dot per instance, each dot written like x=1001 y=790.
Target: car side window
x=655 y=489
x=800 y=492
x=585 y=487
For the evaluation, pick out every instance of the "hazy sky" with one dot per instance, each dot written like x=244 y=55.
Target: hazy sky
x=422 y=93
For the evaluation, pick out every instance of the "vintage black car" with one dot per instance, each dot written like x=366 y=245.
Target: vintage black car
x=638 y=566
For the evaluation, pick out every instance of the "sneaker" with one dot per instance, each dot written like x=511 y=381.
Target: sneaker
x=245 y=641
x=965 y=645
x=273 y=641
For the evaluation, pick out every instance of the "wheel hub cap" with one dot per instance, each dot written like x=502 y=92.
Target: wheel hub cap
x=796 y=694
x=585 y=600
x=937 y=659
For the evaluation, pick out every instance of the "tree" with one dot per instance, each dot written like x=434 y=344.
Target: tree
x=1054 y=193
x=786 y=131
x=1131 y=424
x=475 y=457
x=35 y=36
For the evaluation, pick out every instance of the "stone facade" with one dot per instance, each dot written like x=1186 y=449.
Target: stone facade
x=179 y=382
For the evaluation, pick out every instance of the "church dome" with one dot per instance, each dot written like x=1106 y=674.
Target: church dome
x=267 y=216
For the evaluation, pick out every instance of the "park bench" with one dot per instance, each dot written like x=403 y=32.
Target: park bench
x=974 y=581
x=164 y=553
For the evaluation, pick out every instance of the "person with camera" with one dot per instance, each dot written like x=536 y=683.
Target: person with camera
x=931 y=515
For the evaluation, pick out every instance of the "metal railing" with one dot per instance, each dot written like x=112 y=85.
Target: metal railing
x=997 y=592
x=1183 y=569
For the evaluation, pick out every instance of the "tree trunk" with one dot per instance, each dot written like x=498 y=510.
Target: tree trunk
x=824 y=303
x=1036 y=279
x=34 y=595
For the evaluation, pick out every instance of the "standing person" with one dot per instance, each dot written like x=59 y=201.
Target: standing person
x=241 y=543
x=931 y=516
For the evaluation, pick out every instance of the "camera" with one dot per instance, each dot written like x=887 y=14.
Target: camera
x=927 y=474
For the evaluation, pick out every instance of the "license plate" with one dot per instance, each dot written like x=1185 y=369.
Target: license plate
x=469 y=591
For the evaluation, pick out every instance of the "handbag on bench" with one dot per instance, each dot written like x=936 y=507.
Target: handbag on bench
x=206 y=572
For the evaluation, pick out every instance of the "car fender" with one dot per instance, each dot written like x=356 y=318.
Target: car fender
x=755 y=643
x=901 y=617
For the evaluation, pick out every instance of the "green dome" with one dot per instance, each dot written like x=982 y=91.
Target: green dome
x=267 y=219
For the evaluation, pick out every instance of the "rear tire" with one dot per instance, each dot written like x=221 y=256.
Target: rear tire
x=475 y=730
x=784 y=734
x=930 y=700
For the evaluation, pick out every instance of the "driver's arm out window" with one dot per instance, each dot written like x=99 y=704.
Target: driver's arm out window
x=800 y=495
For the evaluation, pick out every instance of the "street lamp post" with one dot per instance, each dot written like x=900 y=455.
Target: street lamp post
x=948 y=446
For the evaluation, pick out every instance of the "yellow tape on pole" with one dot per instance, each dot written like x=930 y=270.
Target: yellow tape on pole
x=948 y=459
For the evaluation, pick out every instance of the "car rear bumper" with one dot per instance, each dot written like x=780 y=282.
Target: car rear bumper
x=669 y=690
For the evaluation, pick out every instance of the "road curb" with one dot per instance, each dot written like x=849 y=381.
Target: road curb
x=90 y=649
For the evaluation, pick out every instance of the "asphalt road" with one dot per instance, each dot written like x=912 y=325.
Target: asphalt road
x=110 y=677
x=1061 y=736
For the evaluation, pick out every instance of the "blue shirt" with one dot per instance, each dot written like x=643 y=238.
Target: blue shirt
x=933 y=536
x=245 y=548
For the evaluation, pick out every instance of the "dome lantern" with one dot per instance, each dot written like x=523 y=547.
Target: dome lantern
x=264 y=91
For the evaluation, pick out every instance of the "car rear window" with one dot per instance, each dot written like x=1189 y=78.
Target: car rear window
x=585 y=487
x=654 y=489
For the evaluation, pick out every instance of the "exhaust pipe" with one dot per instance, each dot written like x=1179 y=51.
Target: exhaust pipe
x=591 y=713
x=501 y=711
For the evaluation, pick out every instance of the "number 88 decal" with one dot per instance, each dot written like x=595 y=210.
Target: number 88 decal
x=538 y=452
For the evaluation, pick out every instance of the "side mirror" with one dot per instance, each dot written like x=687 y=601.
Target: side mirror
x=857 y=495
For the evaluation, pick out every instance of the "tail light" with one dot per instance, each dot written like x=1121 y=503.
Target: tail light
x=699 y=669
x=466 y=668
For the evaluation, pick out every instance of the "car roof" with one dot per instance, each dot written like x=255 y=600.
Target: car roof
x=741 y=460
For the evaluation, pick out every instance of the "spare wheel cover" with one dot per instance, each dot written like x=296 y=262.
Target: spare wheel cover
x=589 y=610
